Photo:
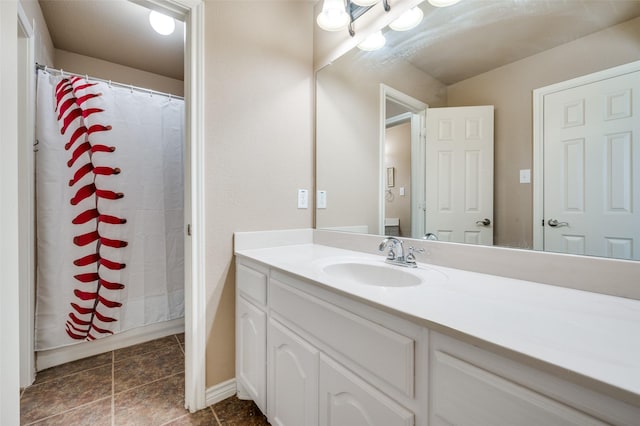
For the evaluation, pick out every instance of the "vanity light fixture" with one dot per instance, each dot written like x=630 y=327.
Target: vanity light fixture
x=162 y=24
x=375 y=41
x=408 y=20
x=442 y=3
x=339 y=14
x=334 y=16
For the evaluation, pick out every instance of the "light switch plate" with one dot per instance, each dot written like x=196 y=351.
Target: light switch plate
x=303 y=199
x=525 y=176
x=402 y=191
x=321 y=200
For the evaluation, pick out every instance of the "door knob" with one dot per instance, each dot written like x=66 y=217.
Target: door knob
x=555 y=224
x=484 y=222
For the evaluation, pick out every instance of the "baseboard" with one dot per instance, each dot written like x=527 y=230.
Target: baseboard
x=220 y=391
x=53 y=357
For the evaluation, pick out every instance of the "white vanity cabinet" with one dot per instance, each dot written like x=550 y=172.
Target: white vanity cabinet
x=312 y=355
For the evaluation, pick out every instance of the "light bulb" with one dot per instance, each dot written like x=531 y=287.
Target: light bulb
x=162 y=24
x=334 y=16
x=408 y=20
x=375 y=41
x=443 y=3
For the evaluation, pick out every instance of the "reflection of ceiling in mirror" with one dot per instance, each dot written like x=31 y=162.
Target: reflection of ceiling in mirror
x=474 y=36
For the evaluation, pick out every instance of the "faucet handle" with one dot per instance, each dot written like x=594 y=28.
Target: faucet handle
x=411 y=256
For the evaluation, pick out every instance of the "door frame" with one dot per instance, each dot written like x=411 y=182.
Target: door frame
x=418 y=110
x=26 y=195
x=192 y=13
x=538 y=137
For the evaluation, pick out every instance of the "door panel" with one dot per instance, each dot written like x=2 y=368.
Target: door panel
x=459 y=174
x=591 y=175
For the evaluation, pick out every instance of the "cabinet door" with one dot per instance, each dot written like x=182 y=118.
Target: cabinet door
x=293 y=378
x=347 y=400
x=251 y=342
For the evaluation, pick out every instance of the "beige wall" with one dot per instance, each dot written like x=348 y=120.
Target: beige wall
x=81 y=64
x=259 y=143
x=44 y=51
x=347 y=134
x=509 y=88
x=398 y=155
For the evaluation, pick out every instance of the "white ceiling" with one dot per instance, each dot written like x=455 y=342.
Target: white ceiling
x=474 y=36
x=451 y=44
x=116 y=31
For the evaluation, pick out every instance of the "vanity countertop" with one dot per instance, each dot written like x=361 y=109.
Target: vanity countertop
x=592 y=335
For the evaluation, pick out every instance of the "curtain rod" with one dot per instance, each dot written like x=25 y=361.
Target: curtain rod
x=109 y=82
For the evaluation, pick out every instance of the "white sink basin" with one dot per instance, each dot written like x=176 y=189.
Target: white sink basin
x=373 y=274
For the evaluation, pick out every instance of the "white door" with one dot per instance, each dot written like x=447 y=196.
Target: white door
x=459 y=174
x=592 y=168
x=293 y=378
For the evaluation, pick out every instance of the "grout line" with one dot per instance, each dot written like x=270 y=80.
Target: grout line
x=215 y=415
x=70 y=374
x=180 y=345
x=65 y=411
x=148 y=383
x=113 y=388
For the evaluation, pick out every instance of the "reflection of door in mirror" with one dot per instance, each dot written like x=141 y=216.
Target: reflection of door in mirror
x=459 y=174
x=591 y=141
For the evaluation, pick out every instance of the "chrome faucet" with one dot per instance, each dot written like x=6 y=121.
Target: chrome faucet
x=396 y=254
x=396 y=251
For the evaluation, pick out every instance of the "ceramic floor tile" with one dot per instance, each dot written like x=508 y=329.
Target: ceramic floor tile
x=59 y=395
x=94 y=414
x=144 y=348
x=200 y=418
x=234 y=411
x=141 y=369
x=73 y=367
x=153 y=404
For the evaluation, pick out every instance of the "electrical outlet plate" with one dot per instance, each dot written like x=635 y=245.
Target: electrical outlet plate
x=525 y=176
x=321 y=200
x=303 y=199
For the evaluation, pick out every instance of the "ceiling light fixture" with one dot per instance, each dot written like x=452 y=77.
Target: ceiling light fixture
x=443 y=3
x=408 y=20
x=375 y=41
x=162 y=24
x=334 y=16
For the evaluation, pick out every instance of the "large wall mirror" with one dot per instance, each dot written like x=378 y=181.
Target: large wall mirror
x=386 y=120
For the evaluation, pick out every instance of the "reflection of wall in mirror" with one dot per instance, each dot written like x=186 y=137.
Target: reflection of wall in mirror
x=510 y=88
x=397 y=147
x=348 y=139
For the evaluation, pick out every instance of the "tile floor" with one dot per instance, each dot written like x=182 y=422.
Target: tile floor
x=142 y=385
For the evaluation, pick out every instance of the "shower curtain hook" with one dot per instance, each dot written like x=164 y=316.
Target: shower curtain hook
x=109 y=84
x=131 y=88
x=86 y=78
x=61 y=72
x=45 y=69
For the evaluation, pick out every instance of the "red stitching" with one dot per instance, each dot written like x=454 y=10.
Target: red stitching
x=92 y=305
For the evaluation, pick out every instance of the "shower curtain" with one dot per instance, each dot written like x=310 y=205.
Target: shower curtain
x=109 y=195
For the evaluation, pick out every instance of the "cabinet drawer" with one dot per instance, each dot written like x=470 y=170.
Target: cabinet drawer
x=380 y=351
x=463 y=394
x=252 y=282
